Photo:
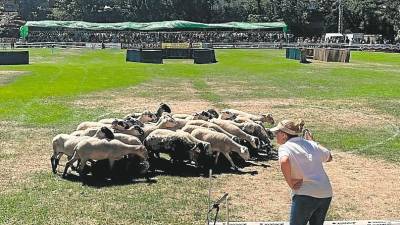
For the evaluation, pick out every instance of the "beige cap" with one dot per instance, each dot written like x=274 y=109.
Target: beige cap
x=289 y=127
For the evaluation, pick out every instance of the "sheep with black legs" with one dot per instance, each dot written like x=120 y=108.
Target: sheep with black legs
x=179 y=145
x=100 y=149
x=244 y=116
x=190 y=128
x=207 y=124
x=221 y=143
x=229 y=127
x=164 y=122
x=144 y=117
x=65 y=144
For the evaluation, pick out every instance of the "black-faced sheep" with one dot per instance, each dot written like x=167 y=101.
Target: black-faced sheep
x=163 y=108
x=178 y=145
x=165 y=122
x=99 y=149
x=234 y=130
x=65 y=144
x=244 y=116
x=221 y=143
x=207 y=124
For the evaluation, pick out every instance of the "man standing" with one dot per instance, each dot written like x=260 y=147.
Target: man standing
x=301 y=164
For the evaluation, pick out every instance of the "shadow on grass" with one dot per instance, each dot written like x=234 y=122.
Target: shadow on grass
x=125 y=172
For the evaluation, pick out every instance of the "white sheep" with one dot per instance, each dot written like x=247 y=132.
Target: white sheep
x=244 y=116
x=65 y=144
x=207 y=124
x=190 y=128
x=221 y=143
x=178 y=145
x=144 y=117
x=99 y=149
x=164 y=122
x=229 y=127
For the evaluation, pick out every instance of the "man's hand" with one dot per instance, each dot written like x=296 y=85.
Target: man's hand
x=296 y=183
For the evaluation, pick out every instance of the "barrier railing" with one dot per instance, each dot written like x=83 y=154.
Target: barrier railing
x=239 y=45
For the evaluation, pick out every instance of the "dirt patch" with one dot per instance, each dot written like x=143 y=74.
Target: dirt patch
x=8 y=76
x=363 y=189
x=130 y=100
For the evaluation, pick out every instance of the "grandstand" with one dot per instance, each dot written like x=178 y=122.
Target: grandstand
x=151 y=35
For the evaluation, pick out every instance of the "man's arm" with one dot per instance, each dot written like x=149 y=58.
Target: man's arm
x=286 y=170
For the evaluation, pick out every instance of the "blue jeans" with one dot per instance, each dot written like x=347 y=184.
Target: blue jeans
x=308 y=209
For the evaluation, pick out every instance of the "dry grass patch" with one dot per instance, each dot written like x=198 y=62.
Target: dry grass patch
x=341 y=113
x=8 y=76
x=179 y=97
x=29 y=150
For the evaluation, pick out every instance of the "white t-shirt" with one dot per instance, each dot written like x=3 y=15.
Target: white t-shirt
x=306 y=158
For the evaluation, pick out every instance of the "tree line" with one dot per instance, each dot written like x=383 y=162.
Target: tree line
x=304 y=17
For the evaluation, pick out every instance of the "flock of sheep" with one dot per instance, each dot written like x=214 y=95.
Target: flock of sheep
x=135 y=142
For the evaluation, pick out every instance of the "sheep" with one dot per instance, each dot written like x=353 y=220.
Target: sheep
x=127 y=139
x=91 y=131
x=190 y=128
x=165 y=122
x=243 y=116
x=254 y=129
x=144 y=117
x=88 y=124
x=99 y=149
x=226 y=125
x=226 y=115
x=179 y=145
x=182 y=116
x=65 y=144
x=207 y=124
x=107 y=121
x=221 y=143
x=264 y=135
x=203 y=115
x=257 y=130
x=163 y=108
x=213 y=113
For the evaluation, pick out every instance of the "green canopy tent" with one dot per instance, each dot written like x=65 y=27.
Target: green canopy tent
x=151 y=26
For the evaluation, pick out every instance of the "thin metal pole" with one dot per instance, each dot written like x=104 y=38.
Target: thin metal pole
x=209 y=197
x=340 y=24
x=227 y=210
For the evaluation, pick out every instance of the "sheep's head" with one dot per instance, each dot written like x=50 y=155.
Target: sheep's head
x=167 y=121
x=132 y=121
x=255 y=142
x=227 y=115
x=249 y=128
x=163 y=108
x=268 y=118
x=203 y=115
x=213 y=113
x=138 y=129
x=148 y=116
x=244 y=153
x=107 y=133
x=119 y=124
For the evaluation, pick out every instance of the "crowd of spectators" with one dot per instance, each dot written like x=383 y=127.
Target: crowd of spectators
x=136 y=37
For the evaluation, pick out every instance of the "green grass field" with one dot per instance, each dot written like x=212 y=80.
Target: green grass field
x=42 y=96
